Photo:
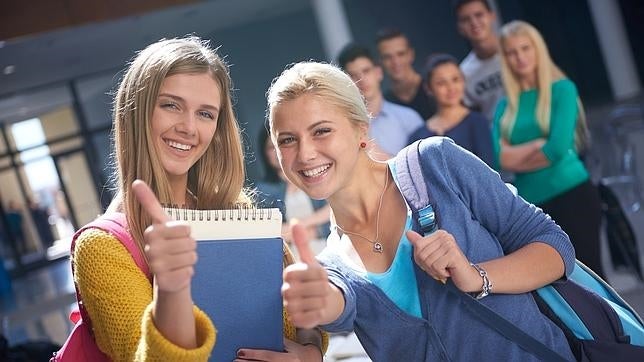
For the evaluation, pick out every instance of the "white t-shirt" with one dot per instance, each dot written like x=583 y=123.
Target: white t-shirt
x=483 y=84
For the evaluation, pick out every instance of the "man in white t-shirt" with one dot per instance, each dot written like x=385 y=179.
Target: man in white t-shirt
x=482 y=66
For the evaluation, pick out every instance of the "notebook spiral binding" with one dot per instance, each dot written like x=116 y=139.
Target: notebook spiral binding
x=240 y=213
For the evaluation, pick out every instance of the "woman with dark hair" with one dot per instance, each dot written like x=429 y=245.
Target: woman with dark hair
x=444 y=81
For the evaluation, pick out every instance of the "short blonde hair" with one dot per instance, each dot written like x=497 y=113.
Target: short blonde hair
x=218 y=176
x=323 y=80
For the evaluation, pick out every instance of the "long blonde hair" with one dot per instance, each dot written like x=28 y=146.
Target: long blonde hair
x=217 y=177
x=547 y=73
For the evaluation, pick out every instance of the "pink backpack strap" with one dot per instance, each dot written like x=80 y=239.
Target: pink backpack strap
x=115 y=224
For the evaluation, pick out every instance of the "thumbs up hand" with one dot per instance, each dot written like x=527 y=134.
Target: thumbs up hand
x=170 y=250
x=306 y=290
x=439 y=255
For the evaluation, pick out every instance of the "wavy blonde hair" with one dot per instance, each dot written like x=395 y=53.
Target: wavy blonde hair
x=217 y=178
x=547 y=73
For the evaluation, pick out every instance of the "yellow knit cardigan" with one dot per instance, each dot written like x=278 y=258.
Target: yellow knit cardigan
x=121 y=311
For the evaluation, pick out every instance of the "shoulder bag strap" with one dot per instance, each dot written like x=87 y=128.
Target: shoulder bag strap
x=115 y=224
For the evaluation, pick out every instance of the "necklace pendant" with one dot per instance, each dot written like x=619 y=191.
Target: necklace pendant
x=377 y=247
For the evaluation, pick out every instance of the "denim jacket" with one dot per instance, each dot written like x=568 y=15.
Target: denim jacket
x=488 y=221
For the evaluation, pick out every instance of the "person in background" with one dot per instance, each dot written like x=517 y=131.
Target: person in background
x=177 y=142
x=537 y=131
x=379 y=277
x=40 y=217
x=470 y=130
x=482 y=65
x=15 y=224
x=397 y=58
x=392 y=124
x=275 y=190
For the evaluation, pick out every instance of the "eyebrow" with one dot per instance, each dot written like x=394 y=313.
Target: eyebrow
x=316 y=124
x=180 y=99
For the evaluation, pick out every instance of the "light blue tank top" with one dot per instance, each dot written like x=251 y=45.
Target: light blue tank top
x=399 y=281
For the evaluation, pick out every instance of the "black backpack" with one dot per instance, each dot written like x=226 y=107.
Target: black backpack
x=621 y=238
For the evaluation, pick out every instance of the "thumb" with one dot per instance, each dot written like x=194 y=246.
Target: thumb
x=413 y=237
x=149 y=202
x=301 y=241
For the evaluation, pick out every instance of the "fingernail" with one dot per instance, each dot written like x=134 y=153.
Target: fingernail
x=240 y=353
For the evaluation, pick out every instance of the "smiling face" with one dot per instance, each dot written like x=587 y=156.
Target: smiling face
x=521 y=56
x=317 y=144
x=184 y=121
x=397 y=57
x=475 y=21
x=366 y=75
x=447 y=84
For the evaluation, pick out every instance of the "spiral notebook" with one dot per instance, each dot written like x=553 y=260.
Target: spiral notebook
x=238 y=276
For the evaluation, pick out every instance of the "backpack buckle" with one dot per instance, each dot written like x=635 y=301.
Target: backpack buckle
x=427 y=220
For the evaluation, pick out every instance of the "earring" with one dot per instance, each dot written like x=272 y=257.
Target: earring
x=363 y=144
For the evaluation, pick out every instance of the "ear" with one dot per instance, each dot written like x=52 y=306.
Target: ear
x=379 y=74
x=363 y=131
x=492 y=18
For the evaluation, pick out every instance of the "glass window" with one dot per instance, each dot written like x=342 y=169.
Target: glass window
x=58 y=123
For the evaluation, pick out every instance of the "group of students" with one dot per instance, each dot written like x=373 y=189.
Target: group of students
x=507 y=102
x=177 y=142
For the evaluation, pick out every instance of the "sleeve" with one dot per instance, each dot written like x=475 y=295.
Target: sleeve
x=345 y=321
x=290 y=331
x=563 y=119
x=414 y=121
x=118 y=298
x=496 y=133
x=482 y=137
x=513 y=221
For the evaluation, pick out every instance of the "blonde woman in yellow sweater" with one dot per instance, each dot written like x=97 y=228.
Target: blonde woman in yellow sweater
x=175 y=130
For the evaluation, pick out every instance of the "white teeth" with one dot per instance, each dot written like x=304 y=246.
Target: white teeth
x=178 y=145
x=316 y=171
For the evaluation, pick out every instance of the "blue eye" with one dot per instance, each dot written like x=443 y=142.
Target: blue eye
x=285 y=141
x=207 y=115
x=321 y=131
x=170 y=105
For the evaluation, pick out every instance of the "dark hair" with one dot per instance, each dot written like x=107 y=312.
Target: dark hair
x=435 y=60
x=353 y=51
x=388 y=33
x=270 y=175
x=458 y=4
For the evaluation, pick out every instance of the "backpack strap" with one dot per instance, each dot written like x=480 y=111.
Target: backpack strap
x=415 y=189
x=116 y=225
x=412 y=185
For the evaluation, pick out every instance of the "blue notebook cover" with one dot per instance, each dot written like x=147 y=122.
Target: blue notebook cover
x=238 y=279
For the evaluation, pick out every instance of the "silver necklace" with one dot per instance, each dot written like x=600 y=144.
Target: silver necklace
x=377 y=245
